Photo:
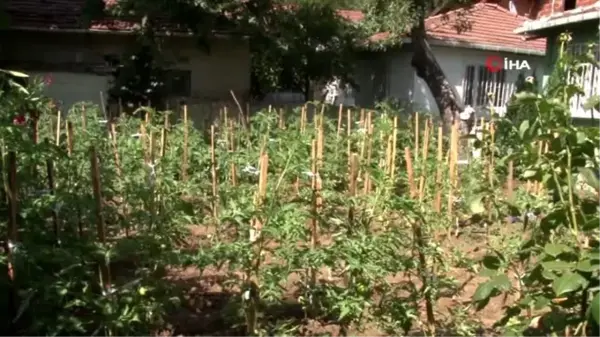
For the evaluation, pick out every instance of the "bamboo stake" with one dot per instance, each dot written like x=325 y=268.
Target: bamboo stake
x=452 y=163
x=232 y=149
x=367 y=177
x=491 y=169
x=340 y=114
x=69 y=126
x=184 y=166
x=410 y=172
x=58 y=127
x=213 y=164
x=424 y=162
x=510 y=186
x=388 y=155
x=349 y=134
x=438 y=174
x=394 y=145
x=352 y=176
x=163 y=137
x=256 y=229
x=303 y=118
x=317 y=203
x=101 y=231
x=416 y=137
x=143 y=141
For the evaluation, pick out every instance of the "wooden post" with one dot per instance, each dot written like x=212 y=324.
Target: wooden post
x=452 y=163
x=510 y=179
x=340 y=114
x=69 y=138
x=352 y=176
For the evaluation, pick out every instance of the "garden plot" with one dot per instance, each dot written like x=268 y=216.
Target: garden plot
x=284 y=225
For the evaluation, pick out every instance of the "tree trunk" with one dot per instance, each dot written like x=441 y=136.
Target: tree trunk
x=427 y=68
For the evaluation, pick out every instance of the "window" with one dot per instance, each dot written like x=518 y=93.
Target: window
x=569 y=5
x=588 y=78
x=179 y=82
x=479 y=82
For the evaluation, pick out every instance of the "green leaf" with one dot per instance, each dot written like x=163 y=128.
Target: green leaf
x=492 y=262
x=555 y=249
x=476 y=205
x=581 y=137
x=502 y=282
x=529 y=173
x=595 y=308
x=523 y=128
x=591 y=224
x=592 y=103
x=14 y=73
x=587 y=266
x=484 y=291
x=567 y=283
x=558 y=265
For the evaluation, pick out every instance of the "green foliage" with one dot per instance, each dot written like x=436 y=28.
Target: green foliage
x=557 y=262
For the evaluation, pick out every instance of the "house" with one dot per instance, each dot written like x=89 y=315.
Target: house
x=465 y=42
x=48 y=38
x=582 y=19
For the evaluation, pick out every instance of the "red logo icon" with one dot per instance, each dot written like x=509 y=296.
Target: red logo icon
x=494 y=63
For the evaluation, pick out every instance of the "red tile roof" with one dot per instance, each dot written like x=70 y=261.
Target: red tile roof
x=484 y=24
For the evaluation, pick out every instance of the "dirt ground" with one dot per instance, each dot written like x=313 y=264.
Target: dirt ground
x=203 y=312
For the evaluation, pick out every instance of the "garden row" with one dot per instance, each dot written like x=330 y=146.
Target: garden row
x=345 y=214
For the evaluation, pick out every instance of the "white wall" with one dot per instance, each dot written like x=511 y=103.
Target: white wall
x=403 y=84
x=454 y=61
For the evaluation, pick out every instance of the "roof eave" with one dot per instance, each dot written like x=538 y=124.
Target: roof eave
x=481 y=46
x=539 y=25
x=115 y=32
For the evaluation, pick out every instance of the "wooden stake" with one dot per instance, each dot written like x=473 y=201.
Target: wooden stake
x=260 y=197
x=349 y=133
x=213 y=164
x=58 y=127
x=410 y=172
x=163 y=137
x=424 y=162
x=317 y=203
x=352 y=176
x=452 y=163
x=184 y=166
x=394 y=145
x=510 y=179
x=101 y=231
x=340 y=114
x=438 y=174
x=416 y=148
x=69 y=138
